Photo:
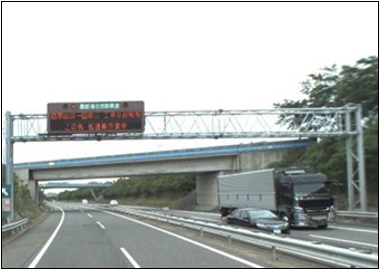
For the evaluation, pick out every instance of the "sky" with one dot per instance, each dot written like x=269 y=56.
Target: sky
x=172 y=56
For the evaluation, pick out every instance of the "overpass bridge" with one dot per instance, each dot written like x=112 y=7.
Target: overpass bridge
x=206 y=163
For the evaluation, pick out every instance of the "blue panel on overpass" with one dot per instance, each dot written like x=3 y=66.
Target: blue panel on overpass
x=166 y=155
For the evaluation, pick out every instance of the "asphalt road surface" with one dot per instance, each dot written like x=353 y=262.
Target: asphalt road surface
x=85 y=238
x=77 y=236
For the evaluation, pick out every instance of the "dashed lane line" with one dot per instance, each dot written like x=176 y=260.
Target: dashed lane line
x=217 y=251
x=100 y=224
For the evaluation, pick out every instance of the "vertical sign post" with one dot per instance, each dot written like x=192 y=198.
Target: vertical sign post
x=9 y=164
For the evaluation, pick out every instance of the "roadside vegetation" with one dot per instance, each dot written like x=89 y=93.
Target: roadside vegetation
x=163 y=190
x=24 y=206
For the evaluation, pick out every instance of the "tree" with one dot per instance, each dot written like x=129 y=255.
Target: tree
x=335 y=87
x=359 y=85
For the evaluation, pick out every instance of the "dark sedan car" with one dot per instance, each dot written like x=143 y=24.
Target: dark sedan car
x=261 y=219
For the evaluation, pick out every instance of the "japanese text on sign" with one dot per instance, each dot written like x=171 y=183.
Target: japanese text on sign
x=113 y=117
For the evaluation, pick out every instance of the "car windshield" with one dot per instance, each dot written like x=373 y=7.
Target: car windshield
x=262 y=214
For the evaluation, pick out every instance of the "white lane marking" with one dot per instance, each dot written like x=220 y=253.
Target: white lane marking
x=46 y=246
x=129 y=257
x=353 y=229
x=99 y=223
x=89 y=215
x=344 y=241
x=227 y=255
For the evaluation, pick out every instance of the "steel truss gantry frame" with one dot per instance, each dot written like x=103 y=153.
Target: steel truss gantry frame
x=344 y=122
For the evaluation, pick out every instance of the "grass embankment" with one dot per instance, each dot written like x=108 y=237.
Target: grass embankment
x=174 y=191
x=24 y=205
x=179 y=201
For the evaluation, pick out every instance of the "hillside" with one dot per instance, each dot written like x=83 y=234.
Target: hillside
x=173 y=191
x=24 y=206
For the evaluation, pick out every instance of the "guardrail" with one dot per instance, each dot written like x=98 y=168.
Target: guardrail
x=314 y=250
x=16 y=226
x=358 y=214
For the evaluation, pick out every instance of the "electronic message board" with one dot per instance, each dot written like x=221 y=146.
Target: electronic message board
x=96 y=117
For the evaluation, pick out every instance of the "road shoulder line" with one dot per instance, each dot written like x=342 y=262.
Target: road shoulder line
x=129 y=257
x=48 y=243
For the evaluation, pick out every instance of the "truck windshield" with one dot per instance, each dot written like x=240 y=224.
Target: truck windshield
x=305 y=189
x=311 y=184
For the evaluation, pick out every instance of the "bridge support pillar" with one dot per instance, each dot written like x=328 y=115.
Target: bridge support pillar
x=206 y=191
x=25 y=177
x=33 y=189
x=96 y=199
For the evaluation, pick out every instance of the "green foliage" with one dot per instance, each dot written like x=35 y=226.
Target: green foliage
x=79 y=194
x=137 y=187
x=371 y=155
x=333 y=88
x=359 y=84
x=150 y=186
x=320 y=88
x=24 y=206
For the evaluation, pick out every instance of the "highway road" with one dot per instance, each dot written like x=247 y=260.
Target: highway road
x=85 y=238
x=77 y=236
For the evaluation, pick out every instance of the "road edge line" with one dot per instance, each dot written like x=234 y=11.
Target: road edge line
x=48 y=243
x=129 y=257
